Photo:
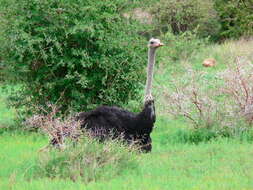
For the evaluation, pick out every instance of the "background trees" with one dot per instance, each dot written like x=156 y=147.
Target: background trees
x=86 y=53
x=79 y=53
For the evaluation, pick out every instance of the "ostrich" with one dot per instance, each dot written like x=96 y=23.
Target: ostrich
x=115 y=122
x=135 y=128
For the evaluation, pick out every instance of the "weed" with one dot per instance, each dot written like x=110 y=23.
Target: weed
x=238 y=85
x=87 y=161
x=221 y=104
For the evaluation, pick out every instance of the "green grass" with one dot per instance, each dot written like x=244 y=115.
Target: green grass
x=176 y=162
x=221 y=164
x=7 y=114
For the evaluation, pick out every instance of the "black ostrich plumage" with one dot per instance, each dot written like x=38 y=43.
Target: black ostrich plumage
x=115 y=122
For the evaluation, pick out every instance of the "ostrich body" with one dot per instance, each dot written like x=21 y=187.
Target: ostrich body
x=116 y=122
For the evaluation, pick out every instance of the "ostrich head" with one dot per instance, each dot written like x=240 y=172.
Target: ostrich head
x=153 y=44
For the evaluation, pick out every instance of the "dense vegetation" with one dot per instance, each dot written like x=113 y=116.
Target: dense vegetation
x=85 y=53
x=192 y=15
x=217 y=19
x=79 y=53
x=235 y=18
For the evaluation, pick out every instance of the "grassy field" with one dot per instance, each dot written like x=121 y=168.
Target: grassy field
x=222 y=163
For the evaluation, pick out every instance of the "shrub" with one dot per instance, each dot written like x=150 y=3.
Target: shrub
x=58 y=129
x=186 y=15
x=235 y=17
x=238 y=85
x=82 y=53
x=86 y=161
x=75 y=154
x=194 y=101
x=222 y=104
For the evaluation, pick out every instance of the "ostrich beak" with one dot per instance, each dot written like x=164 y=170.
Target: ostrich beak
x=159 y=45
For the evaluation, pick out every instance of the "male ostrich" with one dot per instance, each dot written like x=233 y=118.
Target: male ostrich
x=113 y=121
x=106 y=121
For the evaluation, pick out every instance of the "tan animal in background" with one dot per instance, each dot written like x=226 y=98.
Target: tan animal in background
x=210 y=62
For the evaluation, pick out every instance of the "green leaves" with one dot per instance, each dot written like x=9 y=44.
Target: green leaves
x=187 y=15
x=81 y=52
x=235 y=18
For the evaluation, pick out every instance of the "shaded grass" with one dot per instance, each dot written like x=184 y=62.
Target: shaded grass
x=7 y=115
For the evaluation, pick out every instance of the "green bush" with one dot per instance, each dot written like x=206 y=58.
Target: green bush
x=236 y=18
x=88 y=161
x=186 y=15
x=79 y=53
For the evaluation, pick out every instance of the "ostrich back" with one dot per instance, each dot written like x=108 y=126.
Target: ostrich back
x=108 y=118
x=113 y=121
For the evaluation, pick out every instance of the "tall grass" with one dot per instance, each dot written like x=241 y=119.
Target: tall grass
x=224 y=53
x=87 y=161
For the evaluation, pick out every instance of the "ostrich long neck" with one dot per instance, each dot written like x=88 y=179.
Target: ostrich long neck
x=150 y=70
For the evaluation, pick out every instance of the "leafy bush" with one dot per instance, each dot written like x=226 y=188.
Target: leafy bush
x=186 y=15
x=81 y=53
x=235 y=17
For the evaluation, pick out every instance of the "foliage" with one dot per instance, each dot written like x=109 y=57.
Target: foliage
x=183 y=45
x=81 y=53
x=2 y=76
x=186 y=15
x=7 y=114
x=235 y=17
x=87 y=161
x=219 y=19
